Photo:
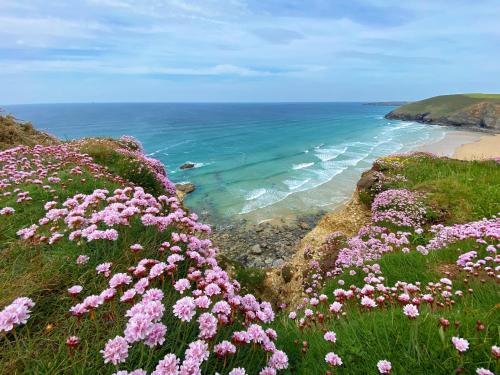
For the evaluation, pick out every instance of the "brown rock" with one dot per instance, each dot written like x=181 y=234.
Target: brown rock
x=185 y=188
x=187 y=166
x=367 y=180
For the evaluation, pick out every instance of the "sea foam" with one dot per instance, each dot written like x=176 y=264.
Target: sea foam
x=302 y=165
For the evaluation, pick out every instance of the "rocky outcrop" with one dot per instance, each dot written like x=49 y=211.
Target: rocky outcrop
x=483 y=116
x=263 y=245
x=186 y=188
x=368 y=179
x=285 y=283
x=187 y=166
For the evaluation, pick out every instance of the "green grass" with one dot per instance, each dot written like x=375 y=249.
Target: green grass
x=465 y=191
x=104 y=152
x=460 y=191
x=14 y=132
x=484 y=96
x=416 y=347
x=440 y=106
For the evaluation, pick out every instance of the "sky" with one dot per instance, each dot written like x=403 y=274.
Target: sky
x=246 y=50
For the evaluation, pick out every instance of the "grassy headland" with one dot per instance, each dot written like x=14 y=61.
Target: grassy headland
x=475 y=111
x=423 y=271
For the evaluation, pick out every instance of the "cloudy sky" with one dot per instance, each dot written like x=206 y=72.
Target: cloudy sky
x=246 y=50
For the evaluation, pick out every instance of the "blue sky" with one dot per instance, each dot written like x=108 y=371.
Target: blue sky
x=246 y=50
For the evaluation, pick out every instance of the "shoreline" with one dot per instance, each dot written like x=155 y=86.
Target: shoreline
x=450 y=143
x=270 y=243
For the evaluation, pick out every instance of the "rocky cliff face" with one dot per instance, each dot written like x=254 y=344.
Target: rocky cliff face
x=479 y=116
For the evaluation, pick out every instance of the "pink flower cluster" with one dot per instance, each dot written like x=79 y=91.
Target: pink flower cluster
x=15 y=314
x=399 y=207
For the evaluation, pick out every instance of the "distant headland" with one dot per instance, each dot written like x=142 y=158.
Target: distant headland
x=386 y=104
x=471 y=111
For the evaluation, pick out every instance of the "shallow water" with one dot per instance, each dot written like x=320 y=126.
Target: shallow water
x=255 y=161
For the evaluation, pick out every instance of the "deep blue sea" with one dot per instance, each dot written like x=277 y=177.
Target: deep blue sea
x=255 y=161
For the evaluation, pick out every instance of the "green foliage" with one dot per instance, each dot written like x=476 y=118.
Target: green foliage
x=104 y=152
x=444 y=105
x=14 y=132
x=457 y=191
x=365 y=198
x=484 y=96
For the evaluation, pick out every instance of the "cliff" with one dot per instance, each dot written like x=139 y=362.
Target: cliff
x=14 y=132
x=471 y=111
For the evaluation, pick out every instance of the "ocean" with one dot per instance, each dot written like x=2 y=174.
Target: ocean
x=252 y=161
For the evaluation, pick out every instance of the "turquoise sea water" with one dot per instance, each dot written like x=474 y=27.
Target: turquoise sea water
x=254 y=161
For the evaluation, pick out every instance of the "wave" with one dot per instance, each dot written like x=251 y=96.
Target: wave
x=254 y=194
x=325 y=154
x=269 y=198
x=302 y=165
x=169 y=147
x=295 y=184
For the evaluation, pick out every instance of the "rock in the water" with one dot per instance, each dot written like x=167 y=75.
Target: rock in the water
x=185 y=188
x=187 y=166
x=256 y=249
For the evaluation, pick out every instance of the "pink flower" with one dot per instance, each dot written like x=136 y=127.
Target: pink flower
x=156 y=335
x=92 y=302
x=330 y=336
x=128 y=295
x=333 y=359
x=184 y=309
x=368 y=302
x=208 y=325
x=115 y=351
x=78 y=310
x=136 y=248
x=197 y=351
x=104 y=268
x=169 y=365
x=17 y=313
x=495 y=351
x=238 y=371
x=224 y=348
x=74 y=290
x=336 y=307
x=483 y=371
x=72 y=341
x=384 y=366
x=278 y=360
x=181 y=285
x=411 y=311
x=119 y=279
x=82 y=259
x=460 y=344
x=153 y=294
x=7 y=211
x=267 y=371
x=138 y=327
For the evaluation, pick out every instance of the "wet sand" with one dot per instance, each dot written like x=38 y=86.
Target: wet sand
x=453 y=140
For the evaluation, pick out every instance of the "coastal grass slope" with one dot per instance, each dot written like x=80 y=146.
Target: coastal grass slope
x=14 y=133
x=477 y=111
x=417 y=287
x=453 y=192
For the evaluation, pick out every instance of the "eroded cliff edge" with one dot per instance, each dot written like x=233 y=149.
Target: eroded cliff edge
x=471 y=111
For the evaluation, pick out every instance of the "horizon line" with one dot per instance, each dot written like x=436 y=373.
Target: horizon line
x=211 y=102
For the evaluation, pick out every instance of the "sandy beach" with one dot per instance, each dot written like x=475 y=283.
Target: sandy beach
x=487 y=147
x=465 y=145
